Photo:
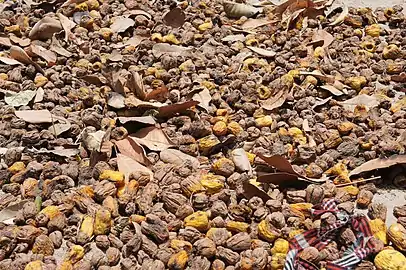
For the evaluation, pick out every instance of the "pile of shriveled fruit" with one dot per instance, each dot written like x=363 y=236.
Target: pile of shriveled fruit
x=135 y=134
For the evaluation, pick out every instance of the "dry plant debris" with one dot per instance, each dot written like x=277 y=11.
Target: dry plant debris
x=199 y=134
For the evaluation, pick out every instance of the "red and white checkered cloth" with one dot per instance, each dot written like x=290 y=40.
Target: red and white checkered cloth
x=320 y=238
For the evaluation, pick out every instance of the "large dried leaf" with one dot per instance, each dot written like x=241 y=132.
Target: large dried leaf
x=238 y=10
x=341 y=17
x=379 y=163
x=8 y=214
x=136 y=85
x=67 y=25
x=5 y=41
x=240 y=159
x=169 y=110
x=363 y=99
x=57 y=47
x=153 y=138
x=121 y=24
x=130 y=148
x=127 y=165
x=251 y=190
x=204 y=98
x=323 y=37
x=19 y=99
x=9 y=61
x=159 y=93
x=251 y=24
x=332 y=89
x=160 y=49
x=20 y=55
x=59 y=128
x=149 y=120
x=92 y=140
x=174 y=18
x=116 y=100
x=276 y=100
x=62 y=152
x=115 y=80
x=262 y=52
x=177 y=157
x=35 y=117
x=45 y=54
x=22 y=42
x=45 y=28
x=94 y=79
x=233 y=38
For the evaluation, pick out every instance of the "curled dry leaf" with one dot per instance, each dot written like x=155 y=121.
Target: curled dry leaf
x=136 y=85
x=62 y=152
x=160 y=49
x=204 y=98
x=238 y=10
x=121 y=24
x=45 y=28
x=115 y=80
x=174 y=18
x=127 y=165
x=168 y=110
x=94 y=79
x=19 y=99
x=130 y=148
x=158 y=94
x=67 y=25
x=136 y=12
x=45 y=54
x=363 y=99
x=379 y=163
x=341 y=17
x=153 y=138
x=252 y=190
x=262 y=52
x=20 y=55
x=332 y=90
x=177 y=157
x=35 y=116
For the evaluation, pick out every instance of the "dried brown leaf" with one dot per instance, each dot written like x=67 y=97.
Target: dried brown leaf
x=149 y=120
x=45 y=54
x=379 y=163
x=130 y=148
x=321 y=102
x=121 y=24
x=174 y=18
x=5 y=41
x=322 y=36
x=168 y=110
x=136 y=12
x=136 y=85
x=10 y=212
x=238 y=10
x=158 y=93
x=153 y=138
x=127 y=165
x=251 y=24
x=60 y=152
x=35 y=117
x=177 y=157
x=233 y=38
x=204 y=98
x=45 y=28
x=94 y=79
x=332 y=90
x=9 y=61
x=251 y=190
x=20 y=55
x=115 y=80
x=115 y=56
x=262 y=52
x=363 y=99
x=22 y=42
x=116 y=100
x=57 y=47
x=342 y=16
x=67 y=25
x=276 y=100
x=160 y=49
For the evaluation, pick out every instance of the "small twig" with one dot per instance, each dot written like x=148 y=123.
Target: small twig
x=360 y=181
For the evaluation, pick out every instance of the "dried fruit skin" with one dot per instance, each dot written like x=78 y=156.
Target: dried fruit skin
x=87 y=226
x=178 y=260
x=236 y=226
x=76 y=253
x=198 y=220
x=113 y=176
x=278 y=261
x=266 y=231
x=390 y=260
x=43 y=245
x=265 y=121
x=35 y=265
x=397 y=235
x=212 y=183
x=220 y=128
